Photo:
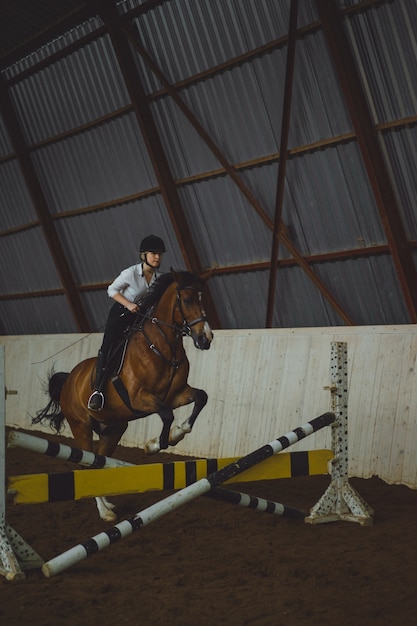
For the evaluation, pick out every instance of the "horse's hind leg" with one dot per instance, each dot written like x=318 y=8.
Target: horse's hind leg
x=109 y=437
x=108 y=440
x=178 y=432
x=83 y=436
x=105 y=509
x=82 y=433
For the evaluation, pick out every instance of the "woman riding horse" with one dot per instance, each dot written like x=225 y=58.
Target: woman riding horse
x=149 y=375
x=126 y=289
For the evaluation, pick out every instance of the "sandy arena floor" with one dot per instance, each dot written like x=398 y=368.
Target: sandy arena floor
x=211 y=563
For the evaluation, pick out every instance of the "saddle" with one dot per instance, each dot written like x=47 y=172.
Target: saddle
x=117 y=352
x=114 y=366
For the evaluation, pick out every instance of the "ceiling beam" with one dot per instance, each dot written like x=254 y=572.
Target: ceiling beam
x=41 y=207
x=52 y=31
x=85 y=11
x=282 y=165
x=228 y=270
x=378 y=174
x=224 y=270
x=60 y=25
x=114 y=24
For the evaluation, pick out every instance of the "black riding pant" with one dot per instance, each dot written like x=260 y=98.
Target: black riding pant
x=118 y=320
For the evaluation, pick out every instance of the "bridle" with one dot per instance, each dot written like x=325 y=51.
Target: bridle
x=186 y=327
x=180 y=330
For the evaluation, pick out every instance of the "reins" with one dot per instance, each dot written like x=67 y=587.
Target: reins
x=185 y=328
x=180 y=330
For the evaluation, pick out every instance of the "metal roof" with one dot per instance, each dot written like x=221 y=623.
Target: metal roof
x=122 y=118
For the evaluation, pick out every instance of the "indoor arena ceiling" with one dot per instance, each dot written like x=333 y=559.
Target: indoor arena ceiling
x=272 y=145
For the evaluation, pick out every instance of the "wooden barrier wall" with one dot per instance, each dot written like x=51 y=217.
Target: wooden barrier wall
x=261 y=382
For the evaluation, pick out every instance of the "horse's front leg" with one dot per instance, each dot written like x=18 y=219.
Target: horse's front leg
x=178 y=432
x=161 y=443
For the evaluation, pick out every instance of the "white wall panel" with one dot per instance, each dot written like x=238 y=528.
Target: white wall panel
x=262 y=384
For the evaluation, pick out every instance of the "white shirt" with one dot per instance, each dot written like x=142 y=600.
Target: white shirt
x=131 y=283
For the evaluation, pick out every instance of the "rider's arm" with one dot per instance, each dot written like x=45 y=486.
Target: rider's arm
x=131 y=306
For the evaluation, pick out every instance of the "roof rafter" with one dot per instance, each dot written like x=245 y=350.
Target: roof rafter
x=282 y=165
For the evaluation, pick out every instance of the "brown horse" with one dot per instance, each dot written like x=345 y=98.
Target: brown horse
x=148 y=371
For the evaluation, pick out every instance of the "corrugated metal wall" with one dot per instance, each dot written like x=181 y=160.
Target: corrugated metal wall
x=262 y=384
x=329 y=206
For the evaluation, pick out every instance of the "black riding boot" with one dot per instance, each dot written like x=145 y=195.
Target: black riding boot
x=96 y=400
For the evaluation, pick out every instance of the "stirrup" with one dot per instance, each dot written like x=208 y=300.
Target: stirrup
x=96 y=401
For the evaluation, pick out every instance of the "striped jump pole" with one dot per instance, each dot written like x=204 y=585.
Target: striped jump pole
x=173 y=475
x=60 y=487
x=254 y=503
x=174 y=501
x=62 y=451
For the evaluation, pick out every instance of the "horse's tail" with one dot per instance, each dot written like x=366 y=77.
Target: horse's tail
x=52 y=412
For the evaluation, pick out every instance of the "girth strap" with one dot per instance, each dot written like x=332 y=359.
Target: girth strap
x=122 y=391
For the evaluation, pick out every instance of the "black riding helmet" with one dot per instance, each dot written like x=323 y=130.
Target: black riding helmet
x=152 y=243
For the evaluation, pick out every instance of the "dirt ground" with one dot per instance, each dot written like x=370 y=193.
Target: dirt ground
x=211 y=563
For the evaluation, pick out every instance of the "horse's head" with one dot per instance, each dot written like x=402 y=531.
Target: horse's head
x=189 y=312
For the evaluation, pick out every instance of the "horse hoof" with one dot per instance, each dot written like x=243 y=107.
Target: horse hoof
x=109 y=516
x=152 y=447
x=177 y=434
x=105 y=509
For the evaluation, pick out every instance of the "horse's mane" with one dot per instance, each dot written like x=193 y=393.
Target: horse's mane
x=161 y=284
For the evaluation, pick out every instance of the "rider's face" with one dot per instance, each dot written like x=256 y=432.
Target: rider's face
x=153 y=259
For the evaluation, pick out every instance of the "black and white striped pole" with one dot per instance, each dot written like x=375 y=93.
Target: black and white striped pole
x=174 y=501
